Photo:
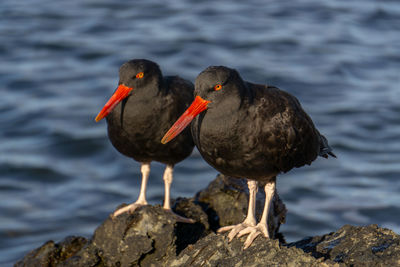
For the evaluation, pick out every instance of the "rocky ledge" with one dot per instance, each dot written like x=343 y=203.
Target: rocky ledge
x=151 y=237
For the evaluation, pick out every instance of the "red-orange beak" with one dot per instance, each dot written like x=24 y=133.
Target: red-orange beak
x=198 y=105
x=121 y=92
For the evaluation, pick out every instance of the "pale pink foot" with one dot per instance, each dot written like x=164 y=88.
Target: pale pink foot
x=129 y=208
x=238 y=228
x=179 y=218
x=253 y=232
x=261 y=227
x=145 y=169
x=250 y=220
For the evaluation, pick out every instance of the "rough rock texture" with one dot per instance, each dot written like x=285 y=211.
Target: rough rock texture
x=355 y=246
x=147 y=236
x=152 y=237
x=51 y=254
x=214 y=250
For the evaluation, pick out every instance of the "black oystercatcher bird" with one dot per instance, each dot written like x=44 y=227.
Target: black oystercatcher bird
x=140 y=111
x=252 y=131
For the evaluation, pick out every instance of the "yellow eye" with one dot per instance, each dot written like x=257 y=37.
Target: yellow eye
x=140 y=75
x=217 y=87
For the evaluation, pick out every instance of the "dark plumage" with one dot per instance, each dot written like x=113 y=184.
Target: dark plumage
x=252 y=131
x=137 y=123
x=138 y=119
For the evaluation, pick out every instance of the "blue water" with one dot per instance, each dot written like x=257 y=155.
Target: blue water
x=60 y=176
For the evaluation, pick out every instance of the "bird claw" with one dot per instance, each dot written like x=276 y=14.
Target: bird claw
x=253 y=232
x=244 y=229
x=179 y=218
x=128 y=209
x=235 y=229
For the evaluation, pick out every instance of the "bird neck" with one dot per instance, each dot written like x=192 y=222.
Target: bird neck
x=241 y=96
x=152 y=88
x=247 y=93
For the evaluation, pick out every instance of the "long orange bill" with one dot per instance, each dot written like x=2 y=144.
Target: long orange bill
x=195 y=109
x=121 y=92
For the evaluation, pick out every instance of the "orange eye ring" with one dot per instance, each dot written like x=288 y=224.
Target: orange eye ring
x=140 y=75
x=217 y=87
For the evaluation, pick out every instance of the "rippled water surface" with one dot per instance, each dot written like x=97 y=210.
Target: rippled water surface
x=60 y=176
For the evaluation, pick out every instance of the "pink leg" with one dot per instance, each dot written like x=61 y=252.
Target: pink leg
x=145 y=169
x=168 y=177
x=250 y=220
x=262 y=226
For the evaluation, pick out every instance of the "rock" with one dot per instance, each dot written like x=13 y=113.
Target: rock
x=148 y=236
x=51 y=254
x=151 y=237
x=355 y=246
x=214 y=250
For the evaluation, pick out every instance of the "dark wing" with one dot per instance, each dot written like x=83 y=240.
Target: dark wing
x=324 y=148
x=289 y=130
x=177 y=97
x=180 y=89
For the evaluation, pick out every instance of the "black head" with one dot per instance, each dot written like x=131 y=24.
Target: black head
x=216 y=83
x=215 y=87
x=137 y=76
x=139 y=73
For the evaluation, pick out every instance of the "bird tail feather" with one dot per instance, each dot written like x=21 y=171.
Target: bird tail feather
x=325 y=150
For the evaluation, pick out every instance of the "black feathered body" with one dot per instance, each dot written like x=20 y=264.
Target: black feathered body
x=256 y=135
x=137 y=124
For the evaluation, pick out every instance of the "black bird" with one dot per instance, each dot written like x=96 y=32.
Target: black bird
x=252 y=131
x=140 y=111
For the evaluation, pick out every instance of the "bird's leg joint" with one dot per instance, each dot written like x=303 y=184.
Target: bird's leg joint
x=168 y=174
x=252 y=185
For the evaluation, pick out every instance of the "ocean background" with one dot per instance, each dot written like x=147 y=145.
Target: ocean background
x=59 y=61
